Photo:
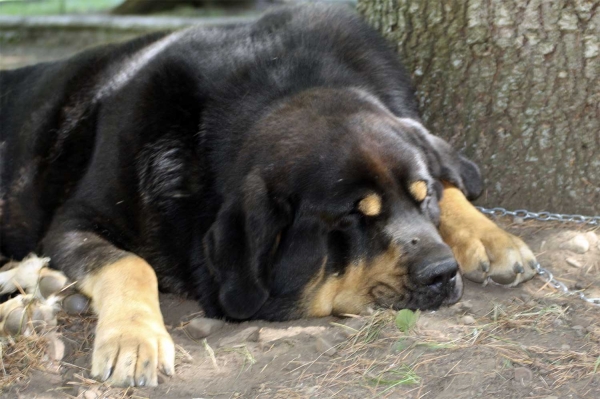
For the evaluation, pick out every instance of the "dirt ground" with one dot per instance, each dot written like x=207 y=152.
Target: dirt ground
x=525 y=342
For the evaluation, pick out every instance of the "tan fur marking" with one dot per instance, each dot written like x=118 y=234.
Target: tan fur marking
x=350 y=293
x=481 y=248
x=131 y=338
x=418 y=190
x=122 y=286
x=370 y=205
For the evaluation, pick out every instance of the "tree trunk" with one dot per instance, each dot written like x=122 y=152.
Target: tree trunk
x=515 y=85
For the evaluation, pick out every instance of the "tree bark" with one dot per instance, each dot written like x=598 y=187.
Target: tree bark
x=515 y=85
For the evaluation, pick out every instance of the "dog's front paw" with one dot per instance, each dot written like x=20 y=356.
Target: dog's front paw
x=484 y=252
x=482 y=249
x=129 y=350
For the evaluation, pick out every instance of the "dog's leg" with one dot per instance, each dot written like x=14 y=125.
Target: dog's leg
x=131 y=341
x=482 y=249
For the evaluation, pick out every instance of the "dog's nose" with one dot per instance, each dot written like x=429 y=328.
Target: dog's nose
x=436 y=273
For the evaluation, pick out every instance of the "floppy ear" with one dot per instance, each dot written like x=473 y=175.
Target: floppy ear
x=444 y=162
x=239 y=247
x=471 y=178
x=301 y=255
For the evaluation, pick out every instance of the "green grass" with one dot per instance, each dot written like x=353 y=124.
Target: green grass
x=391 y=378
x=55 y=7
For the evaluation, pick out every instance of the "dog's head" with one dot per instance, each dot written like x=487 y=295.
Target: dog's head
x=332 y=207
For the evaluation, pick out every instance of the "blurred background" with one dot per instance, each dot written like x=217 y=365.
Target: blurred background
x=43 y=30
x=142 y=7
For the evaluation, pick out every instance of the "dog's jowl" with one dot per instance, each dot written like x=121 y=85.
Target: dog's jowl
x=275 y=170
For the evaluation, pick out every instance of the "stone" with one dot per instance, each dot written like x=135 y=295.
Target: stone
x=202 y=327
x=468 y=320
x=76 y=304
x=579 y=330
x=324 y=346
x=51 y=284
x=565 y=347
x=557 y=322
x=89 y=393
x=578 y=244
x=581 y=321
x=352 y=326
x=592 y=238
x=16 y=322
x=523 y=375
x=250 y=334
x=573 y=262
x=525 y=297
x=466 y=306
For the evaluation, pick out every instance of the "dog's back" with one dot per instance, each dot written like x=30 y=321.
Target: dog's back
x=49 y=112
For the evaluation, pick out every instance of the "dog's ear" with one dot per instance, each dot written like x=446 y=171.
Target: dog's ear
x=471 y=178
x=301 y=257
x=444 y=162
x=240 y=245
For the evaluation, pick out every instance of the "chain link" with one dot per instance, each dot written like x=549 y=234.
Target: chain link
x=543 y=216
x=545 y=274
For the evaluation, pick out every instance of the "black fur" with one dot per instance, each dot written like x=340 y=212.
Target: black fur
x=223 y=156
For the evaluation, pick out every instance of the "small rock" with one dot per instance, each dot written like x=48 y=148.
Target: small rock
x=565 y=347
x=573 y=262
x=76 y=304
x=52 y=284
x=525 y=297
x=16 y=322
x=579 y=330
x=90 y=393
x=592 y=238
x=202 y=327
x=250 y=334
x=161 y=379
x=353 y=326
x=578 y=244
x=580 y=321
x=518 y=220
x=523 y=375
x=466 y=306
x=468 y=320
x=324 y=346
x=557 y=323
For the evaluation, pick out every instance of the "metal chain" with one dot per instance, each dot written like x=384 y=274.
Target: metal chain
x=545 y=274
x=543 y=216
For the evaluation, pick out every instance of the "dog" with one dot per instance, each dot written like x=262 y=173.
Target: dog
x=272 y=170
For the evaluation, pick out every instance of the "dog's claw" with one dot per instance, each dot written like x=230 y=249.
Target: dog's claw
x=518 y=268
x=107 y=373
x=485 y=266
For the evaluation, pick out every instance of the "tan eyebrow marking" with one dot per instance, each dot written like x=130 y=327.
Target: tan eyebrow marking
x=370 y=205
x=418 y=190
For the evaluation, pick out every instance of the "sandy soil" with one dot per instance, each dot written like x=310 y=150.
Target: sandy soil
x=525 y=342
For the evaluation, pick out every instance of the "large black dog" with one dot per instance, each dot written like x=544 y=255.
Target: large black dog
x=274 y=170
